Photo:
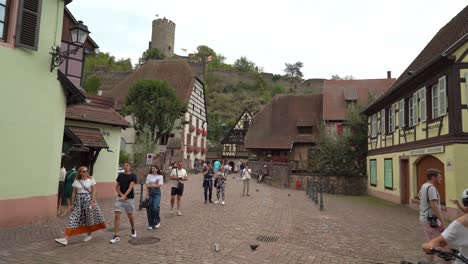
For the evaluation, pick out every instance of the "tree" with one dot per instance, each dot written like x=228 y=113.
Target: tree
x=143 y=144
x=107 y=61
x=153 y=103
x=245 y=65
x=123 y=157
x=343 y=155
x=151 y=54
x=91 y=85
x=338 y=77
x=217 y=60
x=294 y=70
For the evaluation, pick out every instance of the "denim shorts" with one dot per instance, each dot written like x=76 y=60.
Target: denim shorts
x=127 y=205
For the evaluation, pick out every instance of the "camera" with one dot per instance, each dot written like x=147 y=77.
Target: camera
x=433 y=221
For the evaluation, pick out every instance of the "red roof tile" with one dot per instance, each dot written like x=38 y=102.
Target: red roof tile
x=336 y=91
x=275 y=126
x=177 y=73
x=88 y=113
x=86 y=137
x=450 y=36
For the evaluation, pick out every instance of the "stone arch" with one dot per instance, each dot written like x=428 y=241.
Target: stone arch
x=422 y=165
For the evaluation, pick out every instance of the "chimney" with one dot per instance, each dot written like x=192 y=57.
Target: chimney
x=389 y=74
x=99 y=92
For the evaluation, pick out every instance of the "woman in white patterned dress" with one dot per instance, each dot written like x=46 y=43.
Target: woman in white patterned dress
x=86 y=216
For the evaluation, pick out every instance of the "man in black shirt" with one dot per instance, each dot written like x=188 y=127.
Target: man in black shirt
x=208 y=174
x=124 y=201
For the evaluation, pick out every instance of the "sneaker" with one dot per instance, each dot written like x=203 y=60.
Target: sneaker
x=62 y=241
x=134 y=234
x=157 y=226
x=216 y=202
x=150 y=228
x=211 y=201
x=222 y=202
x=87 y=238
x=179 y=213
x=115 y=240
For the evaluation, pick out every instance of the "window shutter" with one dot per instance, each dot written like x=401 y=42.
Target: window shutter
x=382 y=121
x=466 y=86
x=401 y=114
x=442 y=96
x=29 y=18
x=415 y=108
x=422 y=104
x=435 y=101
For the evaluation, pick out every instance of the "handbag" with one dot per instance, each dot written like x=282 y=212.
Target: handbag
x=432 y=219
x=180 y=184
x=145 y=203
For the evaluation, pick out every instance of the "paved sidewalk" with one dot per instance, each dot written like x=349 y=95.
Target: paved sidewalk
x=350 y=230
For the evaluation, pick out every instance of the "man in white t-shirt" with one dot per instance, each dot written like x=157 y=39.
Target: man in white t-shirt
x=455 y=236
x=177 y=177
x=429 y=208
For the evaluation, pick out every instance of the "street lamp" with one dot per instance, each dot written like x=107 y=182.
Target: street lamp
x=79 y=33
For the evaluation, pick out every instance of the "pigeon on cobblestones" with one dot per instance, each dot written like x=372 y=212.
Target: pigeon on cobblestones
x=254 y=247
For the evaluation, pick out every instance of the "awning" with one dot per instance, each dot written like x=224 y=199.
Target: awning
x=84 y=137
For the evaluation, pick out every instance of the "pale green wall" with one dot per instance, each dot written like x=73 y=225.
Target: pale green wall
x=33 y=113
x=105 y=168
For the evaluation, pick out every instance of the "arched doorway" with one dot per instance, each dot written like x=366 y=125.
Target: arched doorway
x=431 y=162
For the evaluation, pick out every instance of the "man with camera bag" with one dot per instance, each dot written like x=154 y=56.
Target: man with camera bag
x=177 y=177
x=430 y=213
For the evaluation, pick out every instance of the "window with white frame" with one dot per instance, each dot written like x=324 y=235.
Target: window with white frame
x=422 y=104
x=373 y=127
x=382 y=121
x=410 y=112
x=439 y=98
x=3 y=19
x=435 y=101
x=401 y=114
x=391 y=119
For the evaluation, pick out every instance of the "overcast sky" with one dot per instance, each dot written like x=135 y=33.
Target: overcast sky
x=363 y=38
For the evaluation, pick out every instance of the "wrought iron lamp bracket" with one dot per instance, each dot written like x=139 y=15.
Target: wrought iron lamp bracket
x=58 y=56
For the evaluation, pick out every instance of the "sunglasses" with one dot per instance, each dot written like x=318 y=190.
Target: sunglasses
x=85 y=171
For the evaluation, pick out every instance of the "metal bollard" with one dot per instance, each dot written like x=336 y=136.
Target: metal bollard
x=141 y=197
x=316 y=192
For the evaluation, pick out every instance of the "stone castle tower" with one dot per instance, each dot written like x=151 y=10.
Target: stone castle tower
x=163 y=36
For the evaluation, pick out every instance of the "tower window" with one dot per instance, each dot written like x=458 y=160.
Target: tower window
x=169 y=47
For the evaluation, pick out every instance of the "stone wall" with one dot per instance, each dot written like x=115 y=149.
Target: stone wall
x=334 y=184
x=278 y=173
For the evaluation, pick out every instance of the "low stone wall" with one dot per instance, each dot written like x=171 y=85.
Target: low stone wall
x=334 y=184
x=278 y=173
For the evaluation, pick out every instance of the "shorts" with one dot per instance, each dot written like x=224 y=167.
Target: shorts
x=177 y=191
x=127 y=205
x=429 y=232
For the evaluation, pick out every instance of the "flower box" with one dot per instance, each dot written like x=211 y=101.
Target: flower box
x=204 y=132
x=204 y=150
x=199 y=131
x=197 y=150
x=189 y=149
x=191 y=128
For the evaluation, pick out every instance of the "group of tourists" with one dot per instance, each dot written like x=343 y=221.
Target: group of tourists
x=437 y=233
x=86 y=215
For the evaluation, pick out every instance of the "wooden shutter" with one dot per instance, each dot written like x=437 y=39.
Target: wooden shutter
x=442 y=96
x=382 y=121
x=422 y=104
x=401 y=114
x=466 y=87
x=415 y=108
x=29 y=18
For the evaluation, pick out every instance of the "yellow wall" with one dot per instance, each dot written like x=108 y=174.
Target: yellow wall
x=455 y=179
x=463 y=85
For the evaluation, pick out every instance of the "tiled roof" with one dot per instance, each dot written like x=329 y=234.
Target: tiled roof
x=450 y=36
x=275 y=126
x=109 y=79
x=336 y=92
x=176 y=72
x=89 y=113
x=100 y=101
x=86 y=137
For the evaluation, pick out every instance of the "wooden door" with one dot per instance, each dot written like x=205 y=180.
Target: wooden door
x=404 y=181
x=431 y=162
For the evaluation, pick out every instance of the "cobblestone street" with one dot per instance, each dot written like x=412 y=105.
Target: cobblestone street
x=350 y=230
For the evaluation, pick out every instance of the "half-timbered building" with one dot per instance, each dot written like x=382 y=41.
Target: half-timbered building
x=233 y=144
x=421 y=122
x=189 y=89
